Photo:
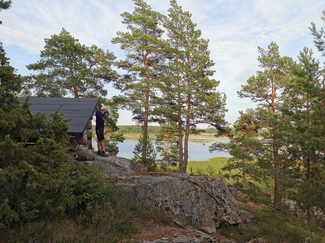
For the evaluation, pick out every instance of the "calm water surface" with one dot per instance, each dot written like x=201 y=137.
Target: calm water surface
x=197 y=151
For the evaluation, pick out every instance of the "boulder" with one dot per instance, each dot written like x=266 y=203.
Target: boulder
x=202 y=202
x=198 y=201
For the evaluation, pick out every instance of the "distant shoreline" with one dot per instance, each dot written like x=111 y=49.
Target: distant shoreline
x=133 y=132
x=198 y=138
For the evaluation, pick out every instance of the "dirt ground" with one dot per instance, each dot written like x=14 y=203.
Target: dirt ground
x=150 y=231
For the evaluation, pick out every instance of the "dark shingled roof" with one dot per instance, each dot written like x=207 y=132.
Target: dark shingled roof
x=79 y=110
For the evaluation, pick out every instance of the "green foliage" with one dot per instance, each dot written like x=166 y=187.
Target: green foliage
x=304 y=134
x=257 y=194
x=113 y=135
x=112 y=142
x=33 y=178
x=69 y=68
x=150 y=160
x=246 y=148
x=10 y=84
x=5 y=4
x=40 y=181
x=167 y=146
x=209 y=171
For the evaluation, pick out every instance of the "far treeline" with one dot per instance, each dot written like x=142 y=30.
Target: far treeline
x=137 y=129
x=166 y=78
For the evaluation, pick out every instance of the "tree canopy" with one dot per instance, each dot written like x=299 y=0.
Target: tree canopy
x=68 y=68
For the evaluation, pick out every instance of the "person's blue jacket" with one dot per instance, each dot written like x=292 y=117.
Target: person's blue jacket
x=100 y=119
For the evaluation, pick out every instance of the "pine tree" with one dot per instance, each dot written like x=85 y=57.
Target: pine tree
x=68 y=68
x=143 y=47
x=245 y=148
x=266 y=89
x=167 y=146
x=150 y=160
x=188 y=86
x=305 y=133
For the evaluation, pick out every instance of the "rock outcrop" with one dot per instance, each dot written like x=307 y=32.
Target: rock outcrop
x=198 y=201
x=201 y=202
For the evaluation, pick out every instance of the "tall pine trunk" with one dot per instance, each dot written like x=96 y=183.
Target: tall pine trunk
x=277 y=182
x=187 y=135
x=145 y=126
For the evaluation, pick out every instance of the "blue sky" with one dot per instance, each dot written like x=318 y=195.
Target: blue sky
x=235 y=28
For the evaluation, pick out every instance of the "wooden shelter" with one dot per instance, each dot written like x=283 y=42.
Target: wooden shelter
x=79 y=110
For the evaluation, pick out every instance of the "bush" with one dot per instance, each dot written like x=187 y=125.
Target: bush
x=45 y=196
x=39 y=181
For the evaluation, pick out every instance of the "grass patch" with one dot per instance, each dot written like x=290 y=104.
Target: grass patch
x=132 y=136
x=98 y=223
x=211 y=167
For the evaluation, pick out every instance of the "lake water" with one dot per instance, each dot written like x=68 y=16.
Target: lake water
x=197 y=151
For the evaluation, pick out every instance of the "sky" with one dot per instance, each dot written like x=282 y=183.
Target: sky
x=235 y=29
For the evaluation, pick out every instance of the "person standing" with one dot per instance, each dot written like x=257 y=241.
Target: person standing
x=100 y=122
